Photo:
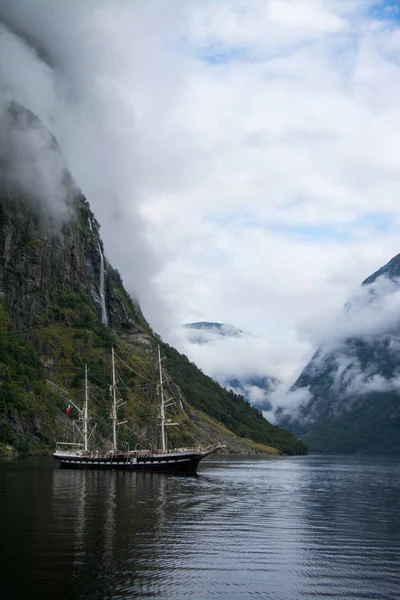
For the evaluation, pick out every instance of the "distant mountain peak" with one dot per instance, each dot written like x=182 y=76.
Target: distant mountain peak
x=222 y=328
x=390 y=270
x=204 y=332
x=351 y=388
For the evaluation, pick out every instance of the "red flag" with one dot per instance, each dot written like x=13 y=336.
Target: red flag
x=68 y=409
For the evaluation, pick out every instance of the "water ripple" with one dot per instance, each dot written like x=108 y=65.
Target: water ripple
x=284 y=529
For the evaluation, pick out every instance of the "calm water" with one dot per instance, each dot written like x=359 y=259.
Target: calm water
x=290 y=528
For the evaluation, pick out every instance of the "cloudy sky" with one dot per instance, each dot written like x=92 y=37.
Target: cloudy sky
x=242 y=156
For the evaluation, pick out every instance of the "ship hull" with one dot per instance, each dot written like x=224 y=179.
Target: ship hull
x=183 y=464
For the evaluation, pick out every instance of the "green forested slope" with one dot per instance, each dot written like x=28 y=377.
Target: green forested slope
x=32 y=413
x=230 y=409
x=372 y=428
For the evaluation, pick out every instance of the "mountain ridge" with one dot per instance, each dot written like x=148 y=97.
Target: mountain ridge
x=55 y=284
x=352 y=387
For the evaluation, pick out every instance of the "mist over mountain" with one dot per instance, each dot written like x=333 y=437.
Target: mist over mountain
x=348 y=395
x=68 y=64
x=234 y=345
x=204 y=332
x=63 y=306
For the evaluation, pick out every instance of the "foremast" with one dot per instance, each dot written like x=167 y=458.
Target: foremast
x=83 y=416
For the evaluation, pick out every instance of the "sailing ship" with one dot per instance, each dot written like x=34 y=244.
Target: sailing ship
x=73 y=455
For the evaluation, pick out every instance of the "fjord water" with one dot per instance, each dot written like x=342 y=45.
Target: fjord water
x=315 y=527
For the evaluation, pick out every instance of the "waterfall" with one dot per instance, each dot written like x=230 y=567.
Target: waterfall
x=104 y=317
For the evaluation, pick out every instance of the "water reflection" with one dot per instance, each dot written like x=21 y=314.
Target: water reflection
x=311 y=527
x=117 y=523
x=351 y=516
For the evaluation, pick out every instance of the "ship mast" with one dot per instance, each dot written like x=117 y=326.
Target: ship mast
x=162 y=406
x=85 y=417
x=114 y=404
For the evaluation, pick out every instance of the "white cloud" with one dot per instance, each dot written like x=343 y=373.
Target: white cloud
x=242 y=156
x=373 y=310
x=241 y=357
x=288 y=402
x=31 y=163
x=362 y=383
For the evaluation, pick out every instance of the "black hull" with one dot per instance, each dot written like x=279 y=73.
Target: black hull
x=185 y=465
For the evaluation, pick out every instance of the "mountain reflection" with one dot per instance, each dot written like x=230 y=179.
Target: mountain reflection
x=280 y=529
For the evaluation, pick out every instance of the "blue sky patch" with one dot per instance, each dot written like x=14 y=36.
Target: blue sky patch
x=315 y=233
x=379 y=222
x=243 y=217
x=342 y=232
x=387 y=10
x=217 y=55
x=324 y=232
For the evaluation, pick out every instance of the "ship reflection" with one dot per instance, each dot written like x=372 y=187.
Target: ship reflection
x=117 y=520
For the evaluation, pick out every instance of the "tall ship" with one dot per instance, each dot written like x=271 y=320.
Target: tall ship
x=79 y=455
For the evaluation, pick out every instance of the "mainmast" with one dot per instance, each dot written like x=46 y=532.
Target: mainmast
x=162 y=407
x=114 y=403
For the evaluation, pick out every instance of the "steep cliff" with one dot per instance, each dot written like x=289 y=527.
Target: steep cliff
x=64 y=306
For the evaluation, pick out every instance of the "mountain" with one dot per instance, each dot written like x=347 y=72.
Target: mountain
x=254 y=388
x=351 y=386
x=204 y=332
x=62 y=305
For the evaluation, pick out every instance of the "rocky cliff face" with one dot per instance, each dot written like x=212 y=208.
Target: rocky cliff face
x=352 y=384
x=62 y=306
x=42 y=260
x=50 y=245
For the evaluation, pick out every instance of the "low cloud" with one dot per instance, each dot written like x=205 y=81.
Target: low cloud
x=363 y=383
x=76 y=67
x=351 y=379
x=372 y=310
x=288 y=402
x=239 y=170
x=31 y=164
x=244 y=356
x=258 y=397
x=359 y=356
